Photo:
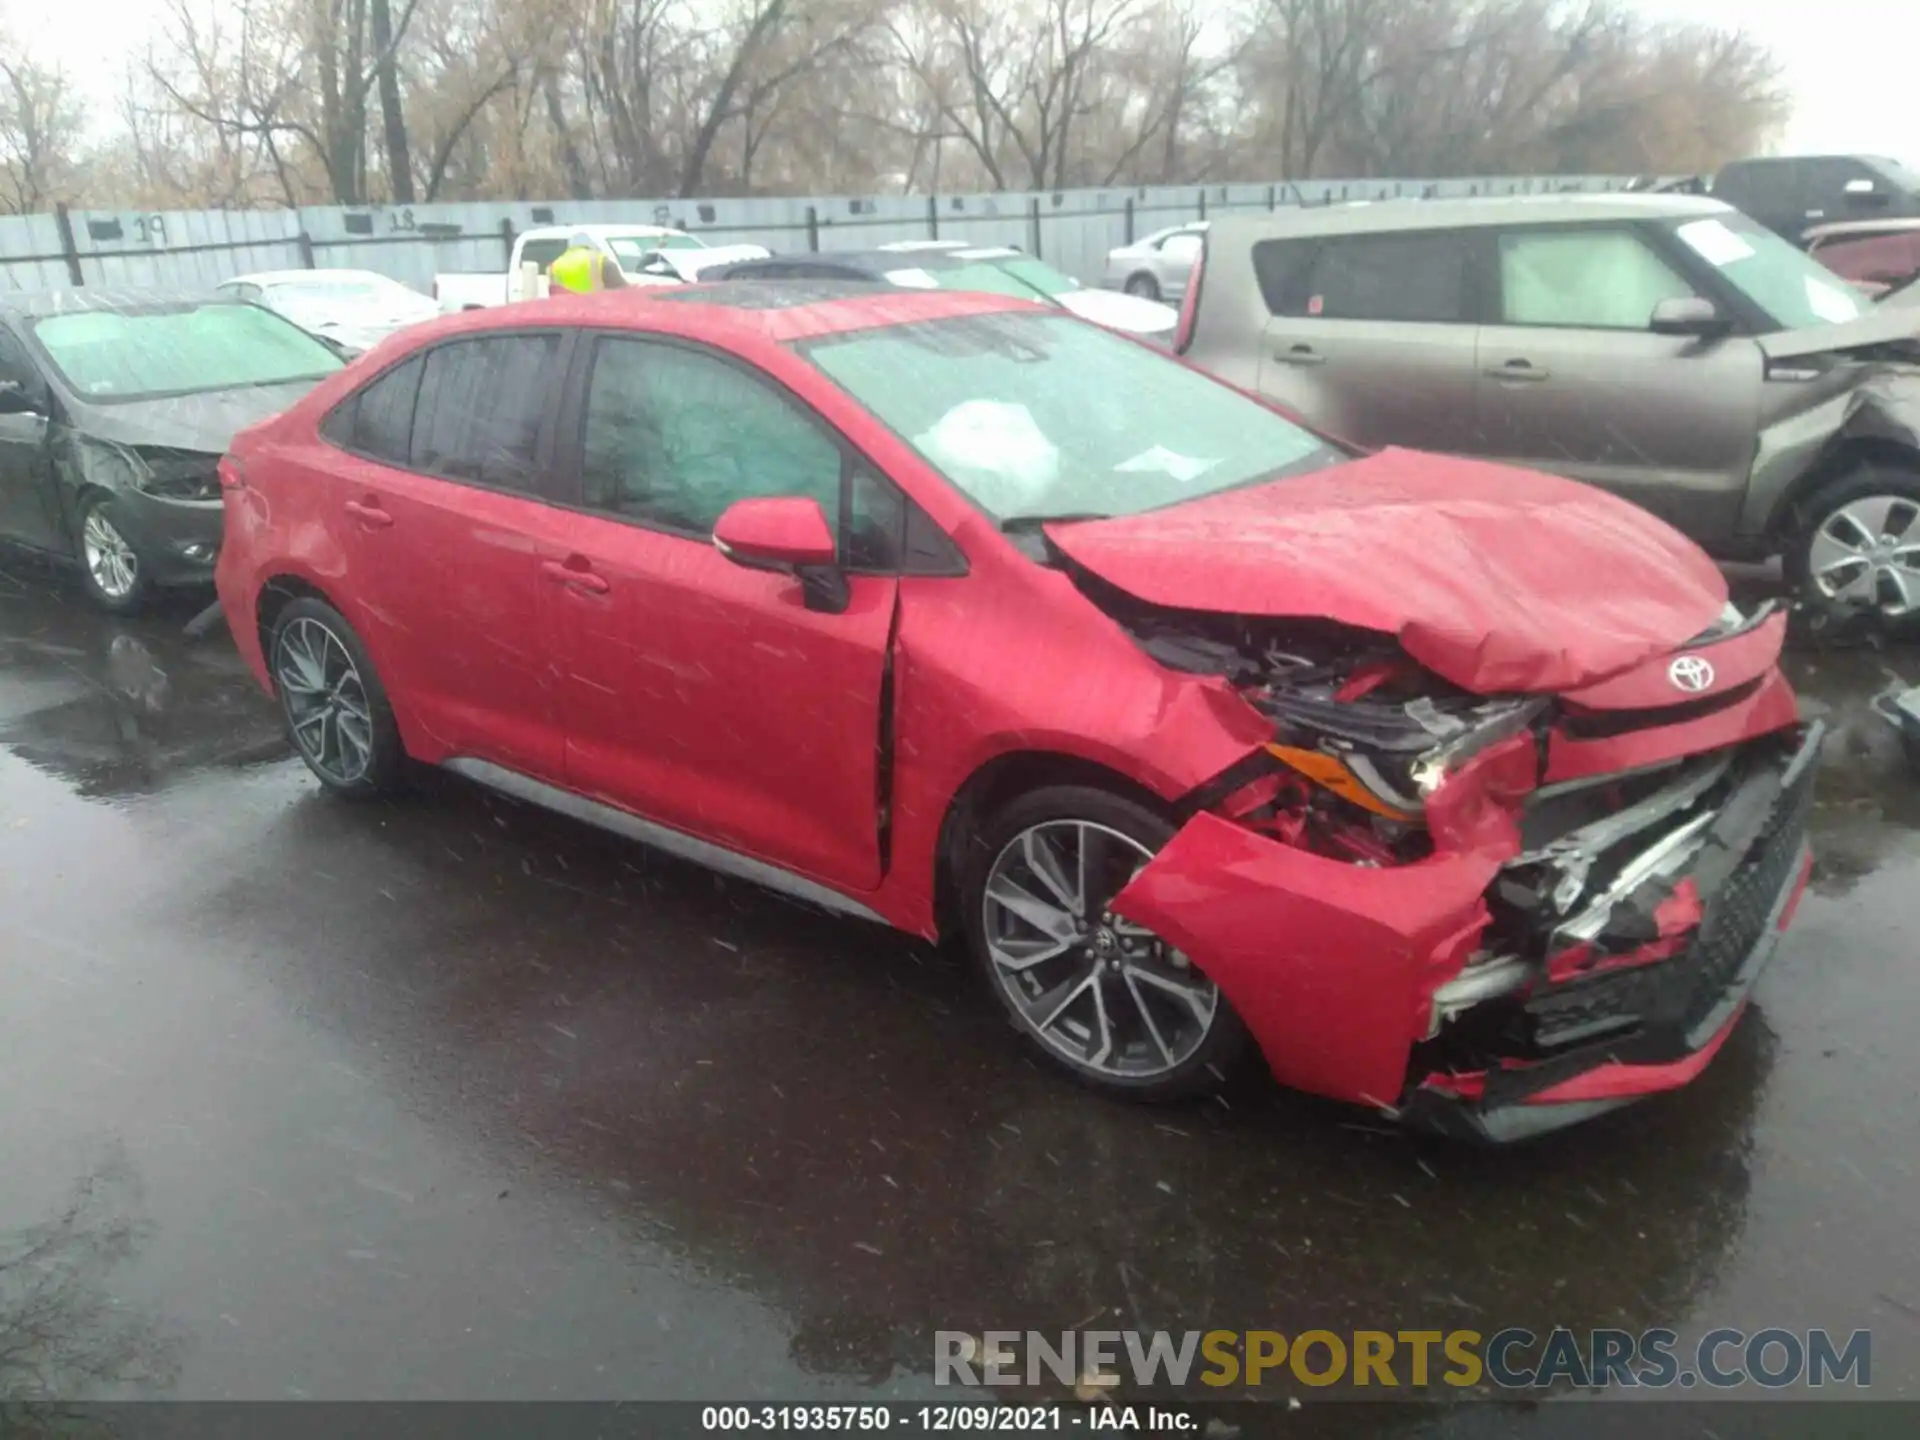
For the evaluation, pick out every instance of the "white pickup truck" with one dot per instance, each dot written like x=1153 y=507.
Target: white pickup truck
x=648 y=254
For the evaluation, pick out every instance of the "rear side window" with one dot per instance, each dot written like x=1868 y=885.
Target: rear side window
x=542 y=253
x=14 y=365
x=1420 y=278
x=377 y=420
x=1281 y=268
x=1766 y=186
x=480 y=408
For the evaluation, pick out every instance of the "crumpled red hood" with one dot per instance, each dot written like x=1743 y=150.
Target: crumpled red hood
x=1496 y=579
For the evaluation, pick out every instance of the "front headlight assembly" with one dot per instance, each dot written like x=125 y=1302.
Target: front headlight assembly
x=160 y=471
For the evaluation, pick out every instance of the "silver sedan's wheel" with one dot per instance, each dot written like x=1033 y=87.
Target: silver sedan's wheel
x=1108 y=997
x=110 y=560
x=328 y=713
x=1144 y=286
x=1865 y=554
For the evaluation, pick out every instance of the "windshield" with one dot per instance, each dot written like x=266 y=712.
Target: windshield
x=113 y=356
x=631 y=252
x=979 y=275
x=1041 y=278
x=1033 y=415
x=1901 y=175
x=1794 y=289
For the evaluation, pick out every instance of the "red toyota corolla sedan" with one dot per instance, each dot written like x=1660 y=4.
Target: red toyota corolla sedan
x=1459 y=792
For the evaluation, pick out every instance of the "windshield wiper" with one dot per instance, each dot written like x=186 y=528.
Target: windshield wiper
x=1015 y=524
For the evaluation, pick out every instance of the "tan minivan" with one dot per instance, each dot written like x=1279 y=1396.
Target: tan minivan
x=1663 y=347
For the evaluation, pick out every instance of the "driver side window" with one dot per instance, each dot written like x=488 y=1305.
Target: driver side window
x=674 y=436
x=14 y=365
x=1584 y=279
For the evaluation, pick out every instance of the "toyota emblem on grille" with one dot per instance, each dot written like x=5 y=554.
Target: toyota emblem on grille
x=1690 y=673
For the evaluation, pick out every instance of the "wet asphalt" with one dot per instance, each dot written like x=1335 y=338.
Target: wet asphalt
x=447 y=1098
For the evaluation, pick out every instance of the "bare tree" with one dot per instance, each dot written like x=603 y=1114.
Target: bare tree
x=254 y=101
x=42 y=126
x=393 y=119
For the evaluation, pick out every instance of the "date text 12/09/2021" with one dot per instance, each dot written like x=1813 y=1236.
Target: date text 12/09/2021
x=947 y=1419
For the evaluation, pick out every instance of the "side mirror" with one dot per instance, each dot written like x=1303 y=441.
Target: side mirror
x=1690 y=316
x=788 y=534
x=19 y=398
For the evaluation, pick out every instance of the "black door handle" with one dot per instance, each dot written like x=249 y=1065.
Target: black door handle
x=1299 y=355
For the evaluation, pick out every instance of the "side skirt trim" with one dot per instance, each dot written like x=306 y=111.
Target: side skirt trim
x=661 y=837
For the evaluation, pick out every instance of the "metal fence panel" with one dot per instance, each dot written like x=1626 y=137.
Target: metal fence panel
x=1071 y=229
x=32 y=254
x=186 y=249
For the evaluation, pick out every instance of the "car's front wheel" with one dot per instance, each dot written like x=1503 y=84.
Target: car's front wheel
x=115 y=576
x=1857 y=551
x=335 y=708
x=1095 y=994
x=1143 y=285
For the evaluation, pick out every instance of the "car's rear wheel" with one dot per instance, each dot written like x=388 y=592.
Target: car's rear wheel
x=1143 y=285
x=335 y=708
x=115 y=576
x=1097 y=995
x=1857 y=551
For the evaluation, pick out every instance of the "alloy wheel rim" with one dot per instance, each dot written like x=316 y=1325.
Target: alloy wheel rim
x=110 y=559
x=1109 y=997
x=326 y=701
x=1867 y=554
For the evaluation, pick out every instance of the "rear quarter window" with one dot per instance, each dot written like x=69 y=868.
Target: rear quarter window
x=377 y=420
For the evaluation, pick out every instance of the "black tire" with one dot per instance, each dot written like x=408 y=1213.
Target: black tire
x=98 y=514
x=1219 y=1048
x=1820 y=512
x=298 y=632
x=1143 y=285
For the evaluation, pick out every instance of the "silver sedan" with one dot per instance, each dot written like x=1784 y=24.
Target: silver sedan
x=1155 y=267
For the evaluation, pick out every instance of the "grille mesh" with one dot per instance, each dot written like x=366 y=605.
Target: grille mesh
x=1692 y=983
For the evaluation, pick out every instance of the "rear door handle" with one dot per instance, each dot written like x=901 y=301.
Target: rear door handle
x=1299 y=355
x=574 y=578
x=1517 y=370
x=369 y=514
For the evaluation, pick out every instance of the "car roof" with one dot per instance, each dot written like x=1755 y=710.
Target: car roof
x=606 y=231
x=296 y=277
x=881 y=262
x=40 y=304
x=741 y=312
x=1411 y=214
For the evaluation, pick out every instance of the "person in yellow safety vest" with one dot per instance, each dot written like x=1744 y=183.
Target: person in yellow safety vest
x=584 y=268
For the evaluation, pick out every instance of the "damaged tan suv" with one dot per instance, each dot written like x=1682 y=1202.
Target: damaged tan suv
x=1663 y=347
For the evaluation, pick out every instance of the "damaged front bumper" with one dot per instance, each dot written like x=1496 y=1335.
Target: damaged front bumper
x=1504 y=988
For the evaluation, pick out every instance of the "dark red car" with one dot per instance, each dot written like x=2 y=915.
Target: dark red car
x=1458 y=791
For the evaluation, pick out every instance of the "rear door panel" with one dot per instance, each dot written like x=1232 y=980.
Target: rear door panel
x=1371 y=337
x=456 y=601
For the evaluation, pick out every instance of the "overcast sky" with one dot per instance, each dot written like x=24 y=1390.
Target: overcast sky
x=1849 y=63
